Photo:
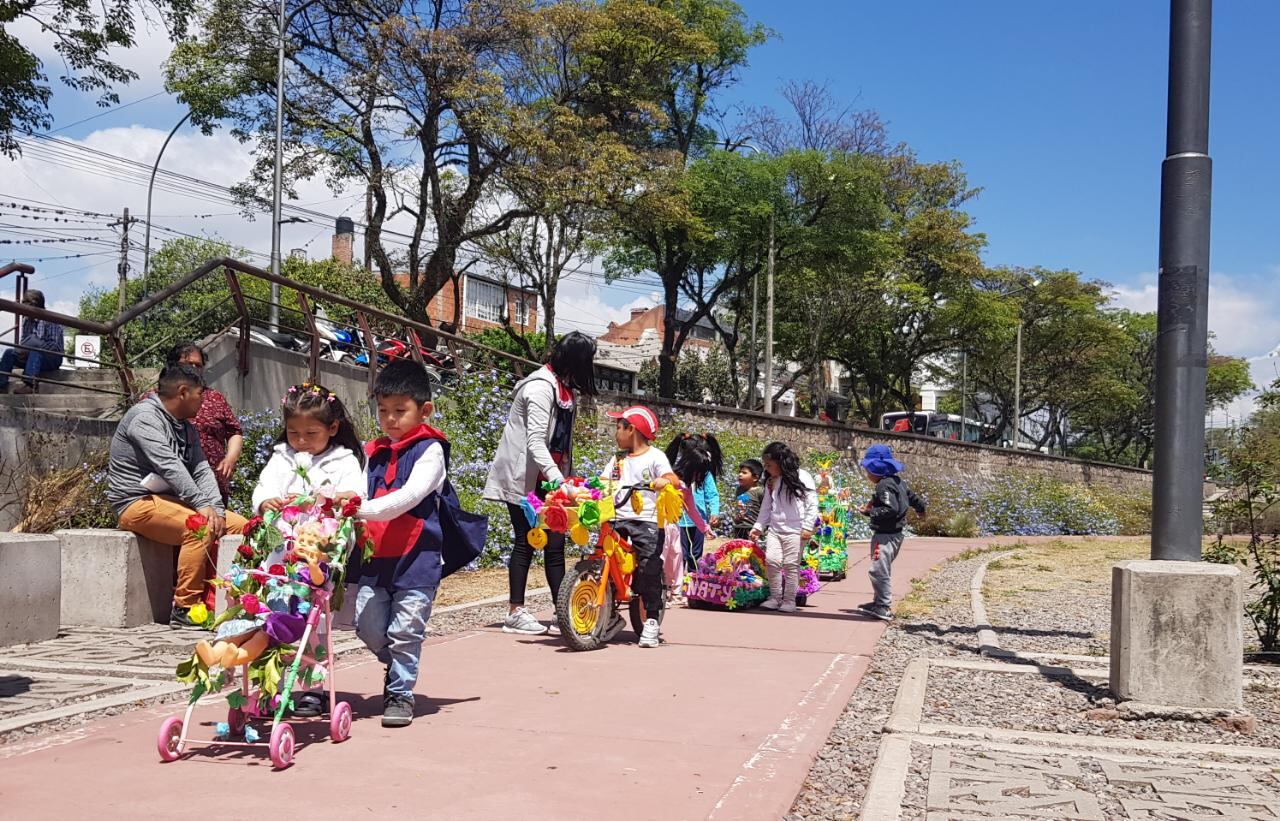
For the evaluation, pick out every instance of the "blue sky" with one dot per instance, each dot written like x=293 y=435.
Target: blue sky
x=1056 y=110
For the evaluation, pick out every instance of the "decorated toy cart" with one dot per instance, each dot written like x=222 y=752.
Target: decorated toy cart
x=827 y=552
x=734 y=578
x=284 y=585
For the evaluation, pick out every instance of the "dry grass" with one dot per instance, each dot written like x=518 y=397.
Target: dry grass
x=474 y=585
x=1082 y=566
x=918 y=604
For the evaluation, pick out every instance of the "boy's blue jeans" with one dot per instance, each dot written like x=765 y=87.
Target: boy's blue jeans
x=393 y=624
x=33 y=363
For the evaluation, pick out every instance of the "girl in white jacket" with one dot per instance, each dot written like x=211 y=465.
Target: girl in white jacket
x=788 y=511
x=318 y=450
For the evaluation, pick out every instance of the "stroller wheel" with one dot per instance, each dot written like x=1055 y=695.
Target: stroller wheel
x=169 y=740
x=340 y=722
x=282 y=746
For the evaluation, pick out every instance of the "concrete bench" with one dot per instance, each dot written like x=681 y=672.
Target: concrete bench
x=113 y=578
x=30 y=587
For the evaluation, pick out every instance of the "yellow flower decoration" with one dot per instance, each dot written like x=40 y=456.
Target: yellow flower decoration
x=627 y=563
x=580 y=535
x=198 y=613
x=637 y=503
x=670 y=505
x=537 y=538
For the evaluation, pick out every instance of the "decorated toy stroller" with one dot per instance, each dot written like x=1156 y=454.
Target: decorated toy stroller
x=284 y=586
x=734 y=577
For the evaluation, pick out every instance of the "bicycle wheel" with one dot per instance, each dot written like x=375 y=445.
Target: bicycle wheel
x=583 y=624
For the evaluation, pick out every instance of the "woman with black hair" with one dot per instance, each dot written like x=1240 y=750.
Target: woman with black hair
x=788 y=512
x=221 y=437
x=537 y=447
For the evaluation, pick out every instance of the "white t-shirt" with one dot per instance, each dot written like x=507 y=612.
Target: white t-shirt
x=637 y=470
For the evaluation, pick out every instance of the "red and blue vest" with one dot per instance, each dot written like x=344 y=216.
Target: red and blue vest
x=407 y=552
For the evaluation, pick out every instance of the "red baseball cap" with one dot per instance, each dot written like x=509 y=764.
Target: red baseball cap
x=640 y=418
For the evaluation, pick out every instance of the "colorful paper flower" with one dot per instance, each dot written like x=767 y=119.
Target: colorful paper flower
x=589 y=514
x=198 y=613
x=556 y=518
x=580 y=535
x=250 y=734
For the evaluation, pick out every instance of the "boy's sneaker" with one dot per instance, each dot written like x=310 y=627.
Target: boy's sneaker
x=865 y=605
x=876 y=611
x=649 y=635
x=180 y=617
x=771 y=604
x=523 y=622
x=553 y=629
x=787 y=607
x=397 y=710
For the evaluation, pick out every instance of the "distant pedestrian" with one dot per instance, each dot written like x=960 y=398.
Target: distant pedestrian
x=887 y=511
x=41 y=352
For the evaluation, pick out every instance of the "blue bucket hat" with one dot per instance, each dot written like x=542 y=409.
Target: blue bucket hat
x=879 y=461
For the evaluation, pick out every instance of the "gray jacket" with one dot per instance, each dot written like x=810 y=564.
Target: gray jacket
x=154 y=454
x=523 y=452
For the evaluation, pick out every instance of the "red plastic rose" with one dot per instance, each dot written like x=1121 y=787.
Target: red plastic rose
x=245 y=550
x=196 y=521
x=250 y=604
x=351 y=507
x=276 y=570
x=252 y=525
x=556 y=517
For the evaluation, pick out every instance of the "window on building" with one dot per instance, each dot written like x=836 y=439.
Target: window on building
x=523 y=306
x=611 y=380
x=485 y=300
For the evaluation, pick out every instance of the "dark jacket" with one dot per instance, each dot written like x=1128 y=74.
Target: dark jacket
x=890 y=501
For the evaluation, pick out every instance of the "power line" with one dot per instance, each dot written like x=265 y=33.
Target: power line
x=105 y=113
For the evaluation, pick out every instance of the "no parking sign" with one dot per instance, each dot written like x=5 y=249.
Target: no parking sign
x=88 y=349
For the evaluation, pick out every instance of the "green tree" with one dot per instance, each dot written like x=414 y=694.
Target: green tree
x=85 y=36
x=658 y=228
x=433 y=107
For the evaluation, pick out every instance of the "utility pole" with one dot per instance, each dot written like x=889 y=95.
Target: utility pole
x=768 y=326
x=276 y=195
x=964 y=396
x=368 y=218
x=1183 y=300
x=123 y=268
x=754 y=379
x=1017 y=388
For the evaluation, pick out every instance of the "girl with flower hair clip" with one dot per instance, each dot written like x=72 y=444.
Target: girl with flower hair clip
x=318 y=451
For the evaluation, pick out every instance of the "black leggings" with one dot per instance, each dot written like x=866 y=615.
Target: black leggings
x=522 y=557
x=646 y=581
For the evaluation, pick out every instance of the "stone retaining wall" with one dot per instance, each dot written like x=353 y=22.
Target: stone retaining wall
x=924 y=455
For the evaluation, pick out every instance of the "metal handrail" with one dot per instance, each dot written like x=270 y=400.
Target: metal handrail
x=232 y=268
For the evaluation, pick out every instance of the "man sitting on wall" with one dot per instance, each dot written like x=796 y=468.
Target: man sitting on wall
x=158 y=476
x=41 y=351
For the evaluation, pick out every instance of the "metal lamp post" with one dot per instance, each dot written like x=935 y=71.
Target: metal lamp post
x=146 y=243
x=275 y=192
x=1017 y=367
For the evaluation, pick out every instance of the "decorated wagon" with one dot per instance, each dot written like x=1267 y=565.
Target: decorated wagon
x=734 y=577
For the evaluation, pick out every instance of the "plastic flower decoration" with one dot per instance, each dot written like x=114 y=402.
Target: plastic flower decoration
x=198 y=526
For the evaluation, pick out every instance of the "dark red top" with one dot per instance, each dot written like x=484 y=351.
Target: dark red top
x=216 y=423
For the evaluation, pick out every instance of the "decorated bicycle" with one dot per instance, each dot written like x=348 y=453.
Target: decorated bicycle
x=286 y=580
x=593 y=596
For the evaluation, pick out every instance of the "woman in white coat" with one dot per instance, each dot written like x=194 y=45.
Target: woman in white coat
x=537 y=447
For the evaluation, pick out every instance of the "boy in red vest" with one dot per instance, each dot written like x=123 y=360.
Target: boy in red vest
x=411 y=512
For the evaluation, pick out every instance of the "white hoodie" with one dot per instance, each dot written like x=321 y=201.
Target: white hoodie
x=784 y=514
x=338 y=468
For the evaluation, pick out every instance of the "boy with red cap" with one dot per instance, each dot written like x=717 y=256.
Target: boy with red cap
x=640 y=469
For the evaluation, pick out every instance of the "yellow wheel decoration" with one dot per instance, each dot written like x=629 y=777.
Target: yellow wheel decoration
x=580 y=535
x=537 y=538
x=583 y=612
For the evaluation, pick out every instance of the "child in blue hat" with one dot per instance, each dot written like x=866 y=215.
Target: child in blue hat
x=887 y=511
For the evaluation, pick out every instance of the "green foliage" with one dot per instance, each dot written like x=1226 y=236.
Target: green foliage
x=526 y=346
x=85 y=35
x=700 y=378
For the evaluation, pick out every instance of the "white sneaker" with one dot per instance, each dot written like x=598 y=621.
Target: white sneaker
x=553 y=629
x=523 y=622
x=787 y=607
x=771 y=604
x=649 y=636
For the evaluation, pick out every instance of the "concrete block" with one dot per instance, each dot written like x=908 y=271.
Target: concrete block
x=30 y=587
x=1176 y=634
x=113 y=578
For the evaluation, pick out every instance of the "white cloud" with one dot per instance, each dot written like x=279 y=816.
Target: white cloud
x=1242 y=315
x=589 y=305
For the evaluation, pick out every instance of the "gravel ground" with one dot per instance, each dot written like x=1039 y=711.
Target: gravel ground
x=1022 y=701
x=837 y=782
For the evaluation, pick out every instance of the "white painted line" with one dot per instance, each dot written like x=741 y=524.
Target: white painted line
x=779 y=746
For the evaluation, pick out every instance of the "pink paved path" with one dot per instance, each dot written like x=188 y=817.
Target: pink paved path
x=722 y=722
